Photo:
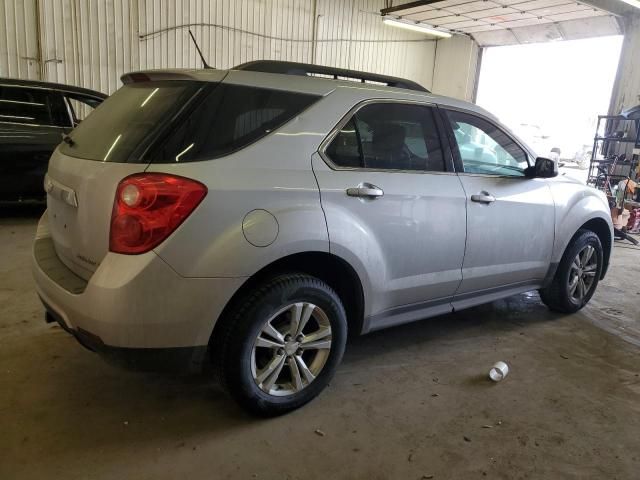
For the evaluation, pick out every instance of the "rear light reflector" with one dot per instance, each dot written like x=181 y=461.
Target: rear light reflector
x=148 y=207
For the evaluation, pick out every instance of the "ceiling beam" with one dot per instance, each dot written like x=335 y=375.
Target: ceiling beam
x=617 y=7
x=405 y=6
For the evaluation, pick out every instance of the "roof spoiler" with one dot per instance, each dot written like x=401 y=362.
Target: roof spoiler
x=161 y=75
x=153 y=75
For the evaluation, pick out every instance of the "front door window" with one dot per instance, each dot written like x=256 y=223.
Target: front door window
x=484 y=148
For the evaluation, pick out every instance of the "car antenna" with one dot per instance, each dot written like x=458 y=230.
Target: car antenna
x=204 y=62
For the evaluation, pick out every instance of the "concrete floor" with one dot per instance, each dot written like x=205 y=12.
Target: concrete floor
x=408 y=403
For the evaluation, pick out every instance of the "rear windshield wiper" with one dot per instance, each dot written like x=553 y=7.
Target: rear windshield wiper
x=68 y=140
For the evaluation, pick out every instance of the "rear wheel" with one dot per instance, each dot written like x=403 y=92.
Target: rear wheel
x=577 y=275
x=282 y=344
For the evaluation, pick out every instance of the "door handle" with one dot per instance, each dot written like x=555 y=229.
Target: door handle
x=483 y=197
x=365 y=190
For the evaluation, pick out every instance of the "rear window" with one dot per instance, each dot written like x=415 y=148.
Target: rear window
x=176 y=121
x=120 y=129
x=227 y=119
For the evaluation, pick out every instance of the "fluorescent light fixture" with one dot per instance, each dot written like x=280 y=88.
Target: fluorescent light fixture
x=633 y=3
x=420 y=27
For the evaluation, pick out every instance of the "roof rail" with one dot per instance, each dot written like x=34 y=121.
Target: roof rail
x=307 y=69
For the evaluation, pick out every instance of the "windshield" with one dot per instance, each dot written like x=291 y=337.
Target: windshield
x=122 y=126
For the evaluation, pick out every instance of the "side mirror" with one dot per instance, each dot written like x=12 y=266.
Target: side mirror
x=544 y=168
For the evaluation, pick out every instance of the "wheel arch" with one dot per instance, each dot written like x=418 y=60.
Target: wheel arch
x=601 y=228
x=329 y=268
x=570 y=228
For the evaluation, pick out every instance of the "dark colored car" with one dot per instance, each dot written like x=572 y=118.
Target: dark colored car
x=33 y=117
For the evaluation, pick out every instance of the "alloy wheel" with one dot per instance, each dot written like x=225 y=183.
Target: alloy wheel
x=582 y=273
x=291 y=349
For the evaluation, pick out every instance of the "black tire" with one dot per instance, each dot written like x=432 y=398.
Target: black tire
x=557 y=295
x=234 y=343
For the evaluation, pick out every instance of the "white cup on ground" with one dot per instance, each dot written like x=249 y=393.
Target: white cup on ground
x=498 y=371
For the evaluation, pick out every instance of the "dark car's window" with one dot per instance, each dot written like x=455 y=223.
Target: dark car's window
x=389 y=136
x=33 y=106
x=81 y=106
x=228 y=118
x=484 y=148
x=127 y=119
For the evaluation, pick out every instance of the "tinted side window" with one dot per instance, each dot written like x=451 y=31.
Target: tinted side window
x=33 y=106
x=389 y=136
x=484 y=148
x=228 y=118
x=344 y=150
x=81 y=106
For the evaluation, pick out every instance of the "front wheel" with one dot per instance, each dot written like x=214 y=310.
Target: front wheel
x=281 y=346
x=577 y=275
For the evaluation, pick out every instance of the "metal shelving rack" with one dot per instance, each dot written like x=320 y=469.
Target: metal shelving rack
x=607 y=172
x=604 y=174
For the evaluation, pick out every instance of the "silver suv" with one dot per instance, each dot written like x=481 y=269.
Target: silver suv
x=250 y=218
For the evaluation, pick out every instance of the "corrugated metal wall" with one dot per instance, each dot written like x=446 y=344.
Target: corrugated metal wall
x=91 y=43
x=352 y=35
x=18 y=39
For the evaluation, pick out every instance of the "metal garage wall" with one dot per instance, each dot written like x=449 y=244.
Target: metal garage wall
x=18 y=39
x=229 y=32
x=350 y=34
x=330 y=32
x=92 y=42
x=89 y=43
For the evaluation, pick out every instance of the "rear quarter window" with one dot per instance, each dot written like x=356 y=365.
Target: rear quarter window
x=228 y=118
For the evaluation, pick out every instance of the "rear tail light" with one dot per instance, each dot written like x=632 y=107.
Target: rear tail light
x=148 y=208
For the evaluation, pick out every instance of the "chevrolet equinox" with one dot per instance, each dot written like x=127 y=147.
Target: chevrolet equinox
x=249 y=219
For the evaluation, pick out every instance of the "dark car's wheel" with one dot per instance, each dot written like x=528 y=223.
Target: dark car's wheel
x=577 y=276
x=280 y=346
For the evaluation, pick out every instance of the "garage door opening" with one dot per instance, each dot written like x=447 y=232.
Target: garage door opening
x=550 y=94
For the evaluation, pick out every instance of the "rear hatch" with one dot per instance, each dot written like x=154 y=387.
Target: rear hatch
x=110 y=144
x=157 y=117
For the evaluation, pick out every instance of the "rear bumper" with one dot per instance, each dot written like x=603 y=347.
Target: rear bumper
x=134 y=310
x=179 y=359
